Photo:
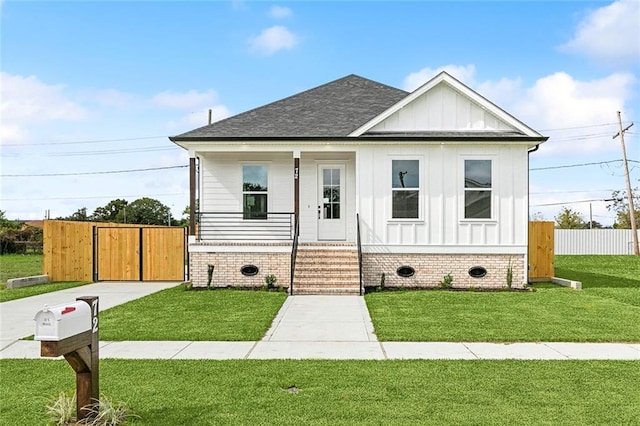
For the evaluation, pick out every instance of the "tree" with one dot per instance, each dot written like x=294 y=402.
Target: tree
x=184 y=221
x=593 y=225
x=148 y=211
x=537 y=217
x=8 y=224
x=569 y=219
x=114 y=211
x=80 y=216
x=14 y=232
x=620 y=205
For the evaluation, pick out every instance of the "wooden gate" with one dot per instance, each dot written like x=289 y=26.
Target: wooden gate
x=541 y=251
x=139 y=254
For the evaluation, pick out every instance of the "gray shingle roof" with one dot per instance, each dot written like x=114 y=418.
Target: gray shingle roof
x=334 y=109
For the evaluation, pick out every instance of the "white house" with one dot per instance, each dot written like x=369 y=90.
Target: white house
x=355 y=183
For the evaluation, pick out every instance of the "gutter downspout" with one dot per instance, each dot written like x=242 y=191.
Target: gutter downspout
x=534 y=149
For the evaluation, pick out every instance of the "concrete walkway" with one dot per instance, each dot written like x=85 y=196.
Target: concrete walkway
x=310 y=327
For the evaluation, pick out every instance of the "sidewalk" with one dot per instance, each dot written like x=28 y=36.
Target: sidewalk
x=313 y=327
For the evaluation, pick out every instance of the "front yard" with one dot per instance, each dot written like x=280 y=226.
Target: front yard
x=319 y=392
x=606 y=310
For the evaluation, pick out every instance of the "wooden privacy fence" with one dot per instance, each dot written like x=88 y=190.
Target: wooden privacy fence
x=90 y=251
x=541 y=251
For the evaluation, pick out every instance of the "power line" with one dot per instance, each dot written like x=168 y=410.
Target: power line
x=578 y=127
x=572 y=192
x=95 y=197
x=89 y=141
x=103 y=152
x=581 y=165
x=110 y=151
x=567 y=202
x=100 y=173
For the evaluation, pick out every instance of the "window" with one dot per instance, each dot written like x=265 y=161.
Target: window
x=477 y=189
x=405 y=189
x=254 y=191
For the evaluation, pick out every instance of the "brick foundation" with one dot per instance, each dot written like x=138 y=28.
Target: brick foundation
x=228 y=264
x=430 y=269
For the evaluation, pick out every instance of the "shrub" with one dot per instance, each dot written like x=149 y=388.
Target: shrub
x=447 y=281
x=270 y=280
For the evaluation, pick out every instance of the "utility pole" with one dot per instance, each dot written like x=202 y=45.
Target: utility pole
x=632 y=212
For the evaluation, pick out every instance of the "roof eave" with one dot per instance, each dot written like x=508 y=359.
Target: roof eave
x=421 y=138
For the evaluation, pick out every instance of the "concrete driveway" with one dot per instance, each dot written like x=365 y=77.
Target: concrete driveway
x=16 y=316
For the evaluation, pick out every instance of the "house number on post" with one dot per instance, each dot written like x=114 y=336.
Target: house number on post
x=71 y=330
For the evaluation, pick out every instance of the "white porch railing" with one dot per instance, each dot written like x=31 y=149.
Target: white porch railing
x=239 y=226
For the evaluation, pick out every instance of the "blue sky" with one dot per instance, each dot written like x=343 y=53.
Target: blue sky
x=90 y=88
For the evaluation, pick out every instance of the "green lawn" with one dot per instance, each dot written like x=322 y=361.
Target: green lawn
x=176 y=314
x=246 y=392
x=19 y=293
x=613 y=277
x=19 y=265
x=606 y=310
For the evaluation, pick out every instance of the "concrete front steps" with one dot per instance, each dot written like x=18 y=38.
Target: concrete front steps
x=327 y=269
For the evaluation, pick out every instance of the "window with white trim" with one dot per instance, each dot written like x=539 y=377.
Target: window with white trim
x=405 y=189
x=255 y=187
x=477 y=189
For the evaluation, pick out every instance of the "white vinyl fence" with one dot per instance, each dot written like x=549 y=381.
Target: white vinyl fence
x=593 y=241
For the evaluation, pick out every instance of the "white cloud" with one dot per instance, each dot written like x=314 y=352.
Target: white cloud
x=609 y=34
x=560 y=101
x=561 y=97
x=465 y=74
x=272 y=40
x=27 y=100
x=280 y=12
x=185 y=100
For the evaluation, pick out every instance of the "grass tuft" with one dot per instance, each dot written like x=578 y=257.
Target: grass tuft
x=62 y=411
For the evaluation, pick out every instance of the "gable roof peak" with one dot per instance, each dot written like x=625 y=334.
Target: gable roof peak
x=443 y=77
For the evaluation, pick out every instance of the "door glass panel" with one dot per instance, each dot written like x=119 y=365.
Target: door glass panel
x=331 y=193
x=335 y=176
x=336 y=211
x=326 y=177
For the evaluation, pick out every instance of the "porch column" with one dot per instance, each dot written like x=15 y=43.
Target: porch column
x=192 y=193
x=296 y=183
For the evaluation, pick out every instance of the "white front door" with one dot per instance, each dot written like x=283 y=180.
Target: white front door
x=331 y=202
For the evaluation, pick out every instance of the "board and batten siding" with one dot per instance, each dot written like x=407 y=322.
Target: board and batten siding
x=442 y=220
x=442 y=108
x=221 y=180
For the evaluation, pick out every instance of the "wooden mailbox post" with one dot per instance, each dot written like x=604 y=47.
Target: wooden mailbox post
x=71 y=331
